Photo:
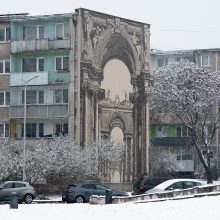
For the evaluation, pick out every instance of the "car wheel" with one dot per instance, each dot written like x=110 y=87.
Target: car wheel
x=28 y=198
x=79 y=199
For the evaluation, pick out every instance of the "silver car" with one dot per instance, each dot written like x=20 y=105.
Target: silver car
x=24 y=191
x=175 y=184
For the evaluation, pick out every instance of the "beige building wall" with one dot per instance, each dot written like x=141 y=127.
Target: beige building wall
x=4 y=80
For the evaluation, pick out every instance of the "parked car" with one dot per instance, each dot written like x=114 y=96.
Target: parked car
x=25 y=192
x=175 y=184
x=81 y=192
x=145 y=183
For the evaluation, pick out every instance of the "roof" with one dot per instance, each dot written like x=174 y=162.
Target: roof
x=43 y=17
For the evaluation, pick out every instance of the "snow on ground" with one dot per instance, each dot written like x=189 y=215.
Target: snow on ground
x=196 y=208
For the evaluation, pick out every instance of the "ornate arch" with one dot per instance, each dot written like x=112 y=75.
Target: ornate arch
x=117 y=44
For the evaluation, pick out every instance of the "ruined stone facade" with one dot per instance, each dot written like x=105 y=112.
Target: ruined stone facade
x=100 y=38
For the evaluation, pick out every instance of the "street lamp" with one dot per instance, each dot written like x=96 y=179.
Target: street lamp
x=24 y=132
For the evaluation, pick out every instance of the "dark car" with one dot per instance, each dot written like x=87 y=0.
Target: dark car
x=25 y=192
x=145 y=183
x=81 y=192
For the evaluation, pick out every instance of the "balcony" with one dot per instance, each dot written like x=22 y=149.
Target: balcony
x=171 y=141
x=186 y=166
x=19 y=79
x=40 y=111
x=39 y=45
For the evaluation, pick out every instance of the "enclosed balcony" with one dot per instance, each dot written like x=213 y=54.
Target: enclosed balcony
x=40 y=111
x=39 y=45
x=19 y=79
x=171 y=141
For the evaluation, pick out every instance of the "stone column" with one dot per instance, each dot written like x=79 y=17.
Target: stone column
x=141 y=126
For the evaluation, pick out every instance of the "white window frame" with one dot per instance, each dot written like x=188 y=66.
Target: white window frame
x=37 y=63
x=182 y=130
x=5 y=34
x=163 y=132
x=63 y=33
x=62 y=98
x=38 y=32
x=4 y=61
x=208 y=61
x=39 y=58
x=37 y=97
x=165 y=61
x=61 y=124
x=4 y=130
x=5 y=93
x=62 y=58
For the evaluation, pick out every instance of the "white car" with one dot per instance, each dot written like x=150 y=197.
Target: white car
x=175 y=184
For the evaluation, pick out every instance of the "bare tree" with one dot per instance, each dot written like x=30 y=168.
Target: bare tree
x=103 y=154
x=57 y=159
x=189 y=93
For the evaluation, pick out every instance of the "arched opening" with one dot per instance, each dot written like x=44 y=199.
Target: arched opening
x=118 y=136
x=117 y=80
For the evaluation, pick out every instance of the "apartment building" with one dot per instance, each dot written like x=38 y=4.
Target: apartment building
x=169 y=135
x=42 y=72
x=5 y=70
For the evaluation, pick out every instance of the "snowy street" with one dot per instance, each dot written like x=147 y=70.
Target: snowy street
x=187 y=209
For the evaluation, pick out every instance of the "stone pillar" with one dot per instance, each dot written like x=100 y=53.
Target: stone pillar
x=128 y=159
x=71 y=87
x=141 y=126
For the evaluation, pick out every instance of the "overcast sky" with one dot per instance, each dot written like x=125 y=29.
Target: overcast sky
x=175 y=24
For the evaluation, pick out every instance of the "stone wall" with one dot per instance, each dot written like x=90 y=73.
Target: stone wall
x=192 y=192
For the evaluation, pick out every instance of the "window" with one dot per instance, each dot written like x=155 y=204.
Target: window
x=4 y=66
x=62 y=30
x=101 y=187
x=40 y=97
x=182 y=131
x=41 y=129
x=62 y=64
x=19 y=185
x=4 y=98
x=4 y=130
x=33 y=130
x=61 y=96
x=32 y=64
x=162 y=131
x=8 y=186
x=162 y=62
x=177 y=185
x=88 y=186
x=33 y=97
x=184 y=153
x=206 y=60
x=4 y=34
x=61 y=129
x=33 y=32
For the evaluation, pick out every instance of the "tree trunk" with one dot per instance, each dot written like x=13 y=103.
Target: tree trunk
x=208 y=172
x=209 y=175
